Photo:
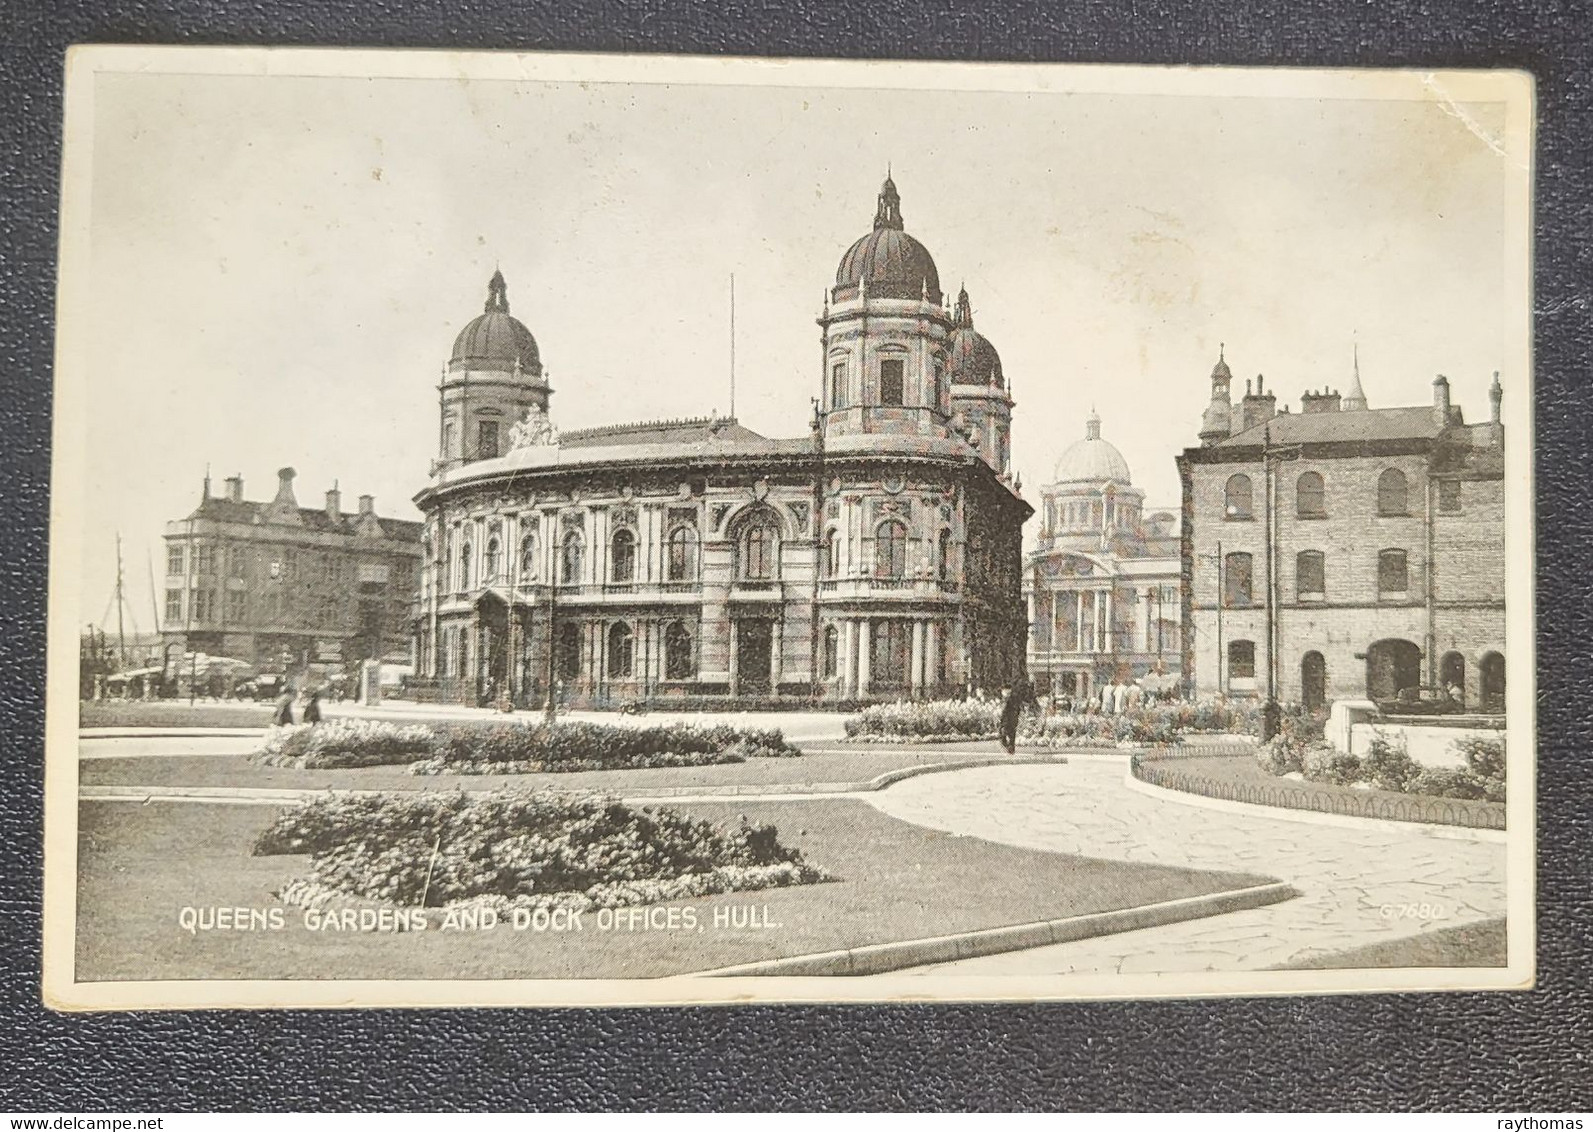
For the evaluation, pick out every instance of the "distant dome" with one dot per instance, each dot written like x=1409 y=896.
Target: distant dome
x=1092 y=460
x=971 y=359
x=495 y=339
x=888 y=260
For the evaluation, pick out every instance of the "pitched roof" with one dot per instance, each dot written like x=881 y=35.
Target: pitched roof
x=1415 y=423
x=222 y=510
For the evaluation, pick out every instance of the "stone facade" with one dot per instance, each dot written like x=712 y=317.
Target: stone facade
x=1344 y=553
x=283 y=586
x=877 y=557
x=1103 y=582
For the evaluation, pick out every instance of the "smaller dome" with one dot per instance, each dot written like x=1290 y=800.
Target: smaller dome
x=889 y=262
x=1092 y=460
x=495 y=339
x=970 y=358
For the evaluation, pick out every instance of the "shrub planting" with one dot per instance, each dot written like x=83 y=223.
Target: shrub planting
x=521 y=849
x=514 y=749
x=960 y=720
x=1387 y=765
x=344 y=743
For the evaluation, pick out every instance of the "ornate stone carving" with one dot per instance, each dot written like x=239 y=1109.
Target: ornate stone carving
x=533 y=430
x=799 y=512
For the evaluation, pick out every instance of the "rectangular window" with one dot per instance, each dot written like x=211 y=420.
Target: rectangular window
x=1310 y=575
x=204 y=560
x=235 y=606
x=1241 y=660
x=174 y=560
x=174 y=607
x=838 y=386
x=203 y=601
x=1393 y=573
x=486 y=439
x=1449 y=495
x=1237 y=583
x=890 y=382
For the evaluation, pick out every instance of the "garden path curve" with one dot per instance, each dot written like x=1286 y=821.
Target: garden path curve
x=1359 y=884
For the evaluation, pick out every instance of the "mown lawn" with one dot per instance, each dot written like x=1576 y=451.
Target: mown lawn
x=1482 y=944
x=141 y=864
x=824 y=771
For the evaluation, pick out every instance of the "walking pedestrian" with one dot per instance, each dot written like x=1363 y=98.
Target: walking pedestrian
x=284 y=712
x=1011 y=710
x=312 y=710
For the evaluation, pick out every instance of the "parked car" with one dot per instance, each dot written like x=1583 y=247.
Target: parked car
x=269 y=685
x=1421 y=701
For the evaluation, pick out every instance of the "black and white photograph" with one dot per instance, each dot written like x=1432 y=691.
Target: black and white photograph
x=606 y=530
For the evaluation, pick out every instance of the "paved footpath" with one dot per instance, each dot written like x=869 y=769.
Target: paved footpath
x=1350 y=878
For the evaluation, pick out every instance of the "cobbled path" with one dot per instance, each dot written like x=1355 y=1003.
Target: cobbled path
x=1358 y=885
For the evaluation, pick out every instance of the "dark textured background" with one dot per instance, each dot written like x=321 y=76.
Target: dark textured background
x=1519 y=1052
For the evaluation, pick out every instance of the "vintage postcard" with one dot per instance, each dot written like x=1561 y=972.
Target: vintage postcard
x=539 y=529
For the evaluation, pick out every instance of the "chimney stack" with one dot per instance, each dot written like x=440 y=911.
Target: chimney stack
x=1327 y=401
x=1258 y=407
x=367 y=505
x=1495 y=398
x=334 y=503
x=1441 y=413
x=285 y=487
x=235 y=489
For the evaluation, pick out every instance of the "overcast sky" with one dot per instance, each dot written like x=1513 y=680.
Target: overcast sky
x=280 y=265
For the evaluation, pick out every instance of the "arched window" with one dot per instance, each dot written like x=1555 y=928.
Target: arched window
x=758 y=551
x=1393 y=573
x=574 y=558
x=1393 y=494
x=490 y=562
x=1310 y=581
x=943 y=556
x=1237 y=497
x=679 y=663
x=463 y=582
x=622 y=556
x=1238 y=580
x=832 y=563
x=682 y=554
x=890 y=549
x=1310 y=496
x=832 y=652
x=620 y=640
x=569 y=650
x=528 y=558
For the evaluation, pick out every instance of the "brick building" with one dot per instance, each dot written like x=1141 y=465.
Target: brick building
x=877 y=556
x=283 y=586
x=1343 y=551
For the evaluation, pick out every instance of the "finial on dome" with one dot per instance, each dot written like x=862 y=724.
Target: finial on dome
x=889 y=212
x=497 y=293
x=1092 y=425
x=964 y=315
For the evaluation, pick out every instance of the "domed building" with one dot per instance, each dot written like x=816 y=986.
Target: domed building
x=695 y=561
x=1103 y=581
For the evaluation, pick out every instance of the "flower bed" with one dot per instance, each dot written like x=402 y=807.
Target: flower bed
x=344 y=743
x=940 y=721
x=1387 y=765
x=521 y=849
x=515 y=749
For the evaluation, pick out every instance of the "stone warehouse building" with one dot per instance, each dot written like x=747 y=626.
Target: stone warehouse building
x=1103 y=582
x=283 y=586
x=879 y=556
x=1344 y=551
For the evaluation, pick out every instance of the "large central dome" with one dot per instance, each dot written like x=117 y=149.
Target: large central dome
x=1092 y=460
x=495 y=339
x=888 y=262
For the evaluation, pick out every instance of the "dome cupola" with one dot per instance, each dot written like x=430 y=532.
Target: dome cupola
x=887 y=263
x=970 y=358
x=1092 y=460
x=495 y=339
